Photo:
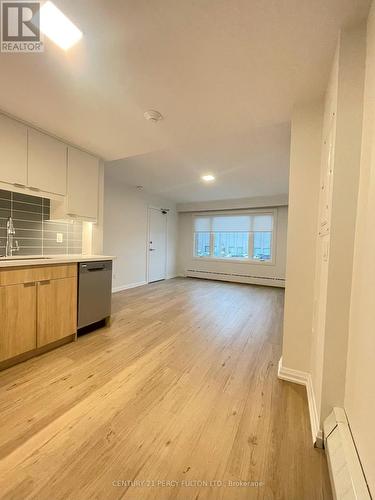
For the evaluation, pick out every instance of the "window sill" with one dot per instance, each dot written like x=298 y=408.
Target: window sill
x=253 y=262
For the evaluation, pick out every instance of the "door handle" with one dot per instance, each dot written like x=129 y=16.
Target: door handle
x=152 y=249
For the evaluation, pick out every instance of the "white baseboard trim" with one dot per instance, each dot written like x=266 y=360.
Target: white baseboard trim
x=121 y=288
x=304 y=378
x=291 y=375
x=317 y=432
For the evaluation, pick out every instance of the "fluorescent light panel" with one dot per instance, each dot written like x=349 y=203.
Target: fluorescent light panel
x=57 y=27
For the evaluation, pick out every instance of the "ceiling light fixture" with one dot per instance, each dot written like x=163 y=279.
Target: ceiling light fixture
x=57 y=27
x=153 y=116
x=208 y=178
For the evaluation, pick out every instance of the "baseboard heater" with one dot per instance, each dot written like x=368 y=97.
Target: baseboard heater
x=347 y=478
x=239 y=278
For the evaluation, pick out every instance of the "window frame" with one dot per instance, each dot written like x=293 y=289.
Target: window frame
x=239 y=260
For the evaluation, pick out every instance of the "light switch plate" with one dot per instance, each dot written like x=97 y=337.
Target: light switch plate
x=59 y=237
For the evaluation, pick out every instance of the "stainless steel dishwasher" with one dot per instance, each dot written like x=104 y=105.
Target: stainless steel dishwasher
x=94 y=292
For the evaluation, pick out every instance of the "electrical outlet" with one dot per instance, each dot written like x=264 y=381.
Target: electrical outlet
x=59 y=237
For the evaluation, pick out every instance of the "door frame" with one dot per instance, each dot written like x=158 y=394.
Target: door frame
x=158 y=209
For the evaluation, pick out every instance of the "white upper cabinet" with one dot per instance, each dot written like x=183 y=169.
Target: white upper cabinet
x=13 y=151
x=34 y=162
x=83 y=185
x=47 y=163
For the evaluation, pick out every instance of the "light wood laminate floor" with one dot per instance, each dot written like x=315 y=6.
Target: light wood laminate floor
x=182 y=387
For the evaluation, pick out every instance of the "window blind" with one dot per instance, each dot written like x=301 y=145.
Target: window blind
x=202 y=224
x=234 y=223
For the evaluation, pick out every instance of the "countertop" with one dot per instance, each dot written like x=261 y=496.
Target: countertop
x=39 y=260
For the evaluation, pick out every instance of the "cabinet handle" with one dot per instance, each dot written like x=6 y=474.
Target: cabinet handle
x=18 y=185
x=45 y=282
x=32 y=283
x=34 y=188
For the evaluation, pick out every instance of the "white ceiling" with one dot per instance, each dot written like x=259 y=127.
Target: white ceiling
x=224 y=73
x=252 y=164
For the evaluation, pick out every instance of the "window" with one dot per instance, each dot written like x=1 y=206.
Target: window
x=262 y=245
x=245 y=236
x=202 y=244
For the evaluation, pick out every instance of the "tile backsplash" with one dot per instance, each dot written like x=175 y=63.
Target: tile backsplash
x=36 y=235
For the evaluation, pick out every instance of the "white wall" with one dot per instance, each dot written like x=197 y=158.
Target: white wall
x=360 y=375
x=316 y=341
x=341 y=338
x=238 y=203
x=323 y=238
x=125 y=232
x=343 y=214
x=186 y=261
x=304 y=181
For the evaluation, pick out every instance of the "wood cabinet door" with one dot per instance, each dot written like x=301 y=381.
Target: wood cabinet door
x=13 y=148
x=47 y=163
x=57 y=310
x=83 y=184
x=18 y=319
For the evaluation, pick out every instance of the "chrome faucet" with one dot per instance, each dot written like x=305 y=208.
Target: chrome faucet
x=11 y=244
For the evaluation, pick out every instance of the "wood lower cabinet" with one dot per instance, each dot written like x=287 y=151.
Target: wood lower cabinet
x=38 y=307
x=18 y=319
x=57 y=310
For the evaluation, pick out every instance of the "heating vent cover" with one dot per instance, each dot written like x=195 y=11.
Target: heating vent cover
x=239 y=278
x=348 y=481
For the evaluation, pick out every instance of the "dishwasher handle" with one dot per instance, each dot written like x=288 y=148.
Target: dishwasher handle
x=89 y=267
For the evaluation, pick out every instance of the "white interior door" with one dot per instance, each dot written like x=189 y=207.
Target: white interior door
x=157 y=261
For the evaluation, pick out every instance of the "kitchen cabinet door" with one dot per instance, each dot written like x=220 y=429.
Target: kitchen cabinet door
x=47 y=163
x=13 y=151
x=18 y=319
x=83 y=185
x=57 y=310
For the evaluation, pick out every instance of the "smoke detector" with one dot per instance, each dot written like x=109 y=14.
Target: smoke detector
x=153 y=116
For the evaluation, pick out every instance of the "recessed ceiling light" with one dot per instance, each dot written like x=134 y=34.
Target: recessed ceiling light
x=208 y=178
x=57 y=27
